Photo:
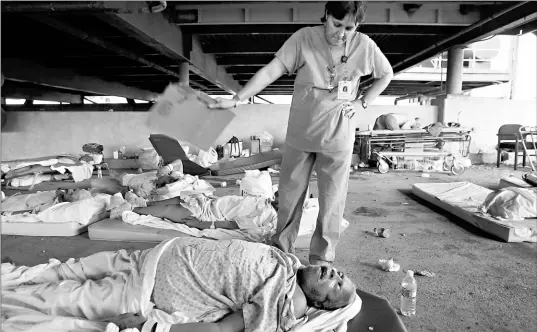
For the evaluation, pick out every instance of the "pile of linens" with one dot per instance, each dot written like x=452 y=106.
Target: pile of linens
x=54 y=168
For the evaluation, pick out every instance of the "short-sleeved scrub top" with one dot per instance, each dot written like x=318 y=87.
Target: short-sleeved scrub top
x=316 y=121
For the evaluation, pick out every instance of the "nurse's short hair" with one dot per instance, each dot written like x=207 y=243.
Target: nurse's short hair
x=339 y=9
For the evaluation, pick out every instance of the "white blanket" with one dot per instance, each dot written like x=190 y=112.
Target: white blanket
x=79 y=173
x=253 y=234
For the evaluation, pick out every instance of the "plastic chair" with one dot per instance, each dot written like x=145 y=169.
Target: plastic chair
x=377 y=313
x=509 y=139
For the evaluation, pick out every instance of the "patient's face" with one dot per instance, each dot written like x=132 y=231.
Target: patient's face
x=164 y=180
x=325 y=287
x=276 y=200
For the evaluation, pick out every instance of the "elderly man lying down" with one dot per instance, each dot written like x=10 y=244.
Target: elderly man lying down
x=229 y=212
x=183 y=284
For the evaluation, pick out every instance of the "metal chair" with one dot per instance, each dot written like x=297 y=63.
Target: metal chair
x=524 y=132
x=509 y=138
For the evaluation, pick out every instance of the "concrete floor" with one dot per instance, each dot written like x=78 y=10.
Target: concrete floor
x=481 y=284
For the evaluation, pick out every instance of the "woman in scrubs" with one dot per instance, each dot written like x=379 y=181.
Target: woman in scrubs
x=329 y=61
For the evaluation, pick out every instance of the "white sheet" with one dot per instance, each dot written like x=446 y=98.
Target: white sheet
x=79 y=173
x=253 y=234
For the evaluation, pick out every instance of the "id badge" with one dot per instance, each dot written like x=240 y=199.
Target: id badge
x=345 y=90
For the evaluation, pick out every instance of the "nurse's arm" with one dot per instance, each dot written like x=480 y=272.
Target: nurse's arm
x=265 y=76
x=379 y=85
x=230 y=323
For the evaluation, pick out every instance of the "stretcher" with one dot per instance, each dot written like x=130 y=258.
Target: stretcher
x=401 y=145
x=463 y=200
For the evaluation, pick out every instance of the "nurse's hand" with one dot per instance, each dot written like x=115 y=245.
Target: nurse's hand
x=221 y=103
x=128 y=321
x=348 y=110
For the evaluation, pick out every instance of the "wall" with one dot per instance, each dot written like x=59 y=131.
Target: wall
x=37 y=134
x=486 y=115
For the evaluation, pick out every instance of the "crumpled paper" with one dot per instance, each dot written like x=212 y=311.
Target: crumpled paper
x=389 y=265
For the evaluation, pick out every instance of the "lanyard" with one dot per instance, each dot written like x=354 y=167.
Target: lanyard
x=332 y=67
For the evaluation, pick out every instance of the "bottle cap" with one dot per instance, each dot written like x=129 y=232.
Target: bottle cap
x=410 y=273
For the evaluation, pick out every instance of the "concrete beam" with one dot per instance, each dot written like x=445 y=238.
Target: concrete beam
x=522 y=22
x=308 y=12
x=514 y=15
x=19 y=91
x=26 y=71
x=155 y=31
x=289 y=29
x=435 y=76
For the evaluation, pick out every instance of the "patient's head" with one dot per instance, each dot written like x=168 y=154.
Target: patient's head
x=325 y=287
x=164 y=180
x=275 y=201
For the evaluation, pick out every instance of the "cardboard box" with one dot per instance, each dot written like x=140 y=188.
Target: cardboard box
x=182 y=113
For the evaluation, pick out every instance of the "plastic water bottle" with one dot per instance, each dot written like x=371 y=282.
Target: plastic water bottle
x=408 y=294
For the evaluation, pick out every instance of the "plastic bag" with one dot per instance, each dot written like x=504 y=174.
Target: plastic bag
x=206 y=158
x=257 y=183
x=266 y=141
x=149 y=159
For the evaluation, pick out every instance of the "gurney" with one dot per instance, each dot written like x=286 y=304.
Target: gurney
x=410 y=143
x=463 y=200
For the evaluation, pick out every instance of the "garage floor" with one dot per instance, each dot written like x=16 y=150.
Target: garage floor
x=481 y=284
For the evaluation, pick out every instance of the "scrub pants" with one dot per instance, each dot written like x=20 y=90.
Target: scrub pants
x=332 y=180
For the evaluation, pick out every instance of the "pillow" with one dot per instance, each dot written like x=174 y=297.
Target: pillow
x=80 y=211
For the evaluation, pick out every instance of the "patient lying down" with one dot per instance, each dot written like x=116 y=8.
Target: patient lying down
x=197 y=285
x=203 y=212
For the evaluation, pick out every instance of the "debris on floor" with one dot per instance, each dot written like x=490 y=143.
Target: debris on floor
x=425 y=273
x=388 y=265
x=382 y=232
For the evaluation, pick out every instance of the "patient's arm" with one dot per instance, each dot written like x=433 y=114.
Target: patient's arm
x=175 y=213
x=171 y=201
x=128 y=320
x=231 y=323
x=207 y=224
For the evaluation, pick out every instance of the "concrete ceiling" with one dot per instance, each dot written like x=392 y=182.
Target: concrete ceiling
x=133 y=49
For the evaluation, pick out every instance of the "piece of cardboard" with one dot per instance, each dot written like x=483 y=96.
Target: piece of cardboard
x=168 y=148
x=181 y=112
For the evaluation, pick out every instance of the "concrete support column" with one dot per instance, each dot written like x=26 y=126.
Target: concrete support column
x=184 y=72
x=515 y=68
x=454 y=71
